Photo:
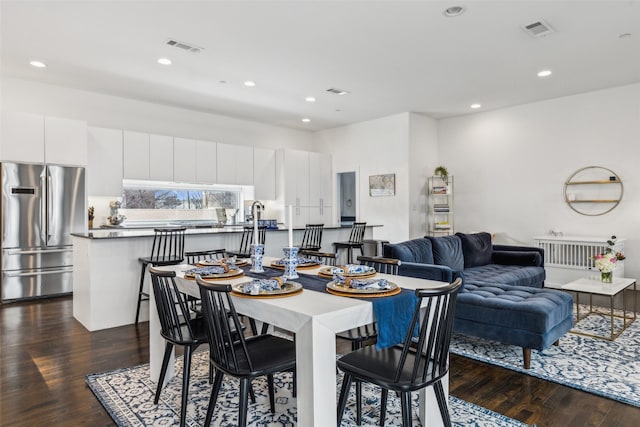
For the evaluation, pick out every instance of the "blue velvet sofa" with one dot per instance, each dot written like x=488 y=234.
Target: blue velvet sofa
x=503 y=296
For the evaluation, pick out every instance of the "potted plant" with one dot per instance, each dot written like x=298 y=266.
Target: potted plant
x=443 y=173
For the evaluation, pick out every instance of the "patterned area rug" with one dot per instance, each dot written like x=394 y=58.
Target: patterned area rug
x=605 y=368
x=127 y=395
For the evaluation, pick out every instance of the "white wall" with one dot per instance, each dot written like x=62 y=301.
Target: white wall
x=423 y=159
x=122 y=113
x=510 y=166
x=371 y=148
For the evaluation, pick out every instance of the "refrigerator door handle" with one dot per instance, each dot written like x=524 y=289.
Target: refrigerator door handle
x=35 y=251
x=38 y=273
x=43 y=209
x=49 y=205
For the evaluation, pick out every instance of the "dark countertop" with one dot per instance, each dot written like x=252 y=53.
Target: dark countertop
x=120 y=233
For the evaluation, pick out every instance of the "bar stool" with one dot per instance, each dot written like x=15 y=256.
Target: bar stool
x=167 y=249
x=355 y=241
x=312 y=237
x=247 y=240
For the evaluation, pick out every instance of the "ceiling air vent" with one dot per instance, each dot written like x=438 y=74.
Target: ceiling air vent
x=337 y=91
x=184 y=46
x=538 y=29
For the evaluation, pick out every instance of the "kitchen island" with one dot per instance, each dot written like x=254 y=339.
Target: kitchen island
x=106 y=270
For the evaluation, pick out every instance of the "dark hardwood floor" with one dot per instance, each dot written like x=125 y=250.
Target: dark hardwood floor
x=45 y=354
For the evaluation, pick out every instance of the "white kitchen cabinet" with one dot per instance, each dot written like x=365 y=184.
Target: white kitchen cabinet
x=264 y=173
x=184 y=160
x=320 y=215
x=22 y=138
x=65 y=141
x=135 y=155
x=104 y=165
x=320 y=180
x=206 y=159
x=235 y=164
x=160 y=158
x=294 y=172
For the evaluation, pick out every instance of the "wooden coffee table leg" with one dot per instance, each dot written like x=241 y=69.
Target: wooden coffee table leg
x=526 y=357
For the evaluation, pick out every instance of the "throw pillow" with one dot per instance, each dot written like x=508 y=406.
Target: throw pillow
x=476 y=248
x=447 y=250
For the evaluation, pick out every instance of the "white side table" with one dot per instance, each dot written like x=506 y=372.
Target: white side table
x=596 y=287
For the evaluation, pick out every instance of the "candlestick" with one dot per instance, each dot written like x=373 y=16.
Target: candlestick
x=255 y=225
x=290 y=226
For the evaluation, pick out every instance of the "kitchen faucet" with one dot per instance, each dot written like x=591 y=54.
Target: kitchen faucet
x=259 y=208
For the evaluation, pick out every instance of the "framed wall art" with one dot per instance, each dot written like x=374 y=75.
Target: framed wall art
x=382 y=185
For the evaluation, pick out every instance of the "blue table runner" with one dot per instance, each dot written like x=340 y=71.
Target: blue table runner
x=393 y=313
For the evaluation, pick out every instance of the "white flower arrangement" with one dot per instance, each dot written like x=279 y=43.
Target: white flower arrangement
x=608 y=261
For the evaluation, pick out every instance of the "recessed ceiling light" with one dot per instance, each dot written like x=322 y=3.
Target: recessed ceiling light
x=310 y=99
x=249 y=83
x=38 y=64
x=306 y=120
x=544 y=73
x=164 y=61
x=475 y=106
x=453 y=11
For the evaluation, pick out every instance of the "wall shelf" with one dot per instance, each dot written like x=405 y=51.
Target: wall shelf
x=593 y=191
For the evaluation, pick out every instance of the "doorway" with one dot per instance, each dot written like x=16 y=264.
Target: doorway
x=347 y=200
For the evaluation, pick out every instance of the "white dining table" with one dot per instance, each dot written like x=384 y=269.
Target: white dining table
x=315 y=318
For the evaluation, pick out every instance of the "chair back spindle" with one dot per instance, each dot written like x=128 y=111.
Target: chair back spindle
x=312 y=238
x=168 y=246
x=172 y=306
x=431 y=349
x=195 y=256
x=227 y=349
x=382 y=265
x=357 y=232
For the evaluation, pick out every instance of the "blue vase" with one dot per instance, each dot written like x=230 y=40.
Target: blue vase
x=257 y=252
x=290 y=263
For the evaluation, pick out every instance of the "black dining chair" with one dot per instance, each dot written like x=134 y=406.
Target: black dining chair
x=325 y=258
x=420 y=362
x=178 y=328
x=167 y=249
x=355 y=241
x=312 y=237
x=247 y=240
x=242 y=358
x=367 y=333
x=194 y=256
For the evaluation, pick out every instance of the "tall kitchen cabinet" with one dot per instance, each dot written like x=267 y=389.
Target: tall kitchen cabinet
x=34 y=138
x=303 y=179
x=104 y=166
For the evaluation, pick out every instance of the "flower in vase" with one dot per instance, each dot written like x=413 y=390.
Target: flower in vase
x=607 y=261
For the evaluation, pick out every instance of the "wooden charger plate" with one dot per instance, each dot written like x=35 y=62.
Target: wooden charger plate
x=306 y=265
x=226 y=275
x=326 y=273
x=343 y=291
x=217 y=263
x=289 y=289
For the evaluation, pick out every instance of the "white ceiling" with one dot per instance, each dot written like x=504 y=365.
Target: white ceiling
x=393 y=56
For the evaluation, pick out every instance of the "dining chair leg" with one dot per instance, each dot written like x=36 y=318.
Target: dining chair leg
x=186 y=371
x=272 y=398
x=442 y=404
x=358 y=402
x=383 y=405
x=252 y=325
x=405 y=402
x=244 y=404
x=140 y=289
x=168 y=349
x=217 y=383
x=342 y=400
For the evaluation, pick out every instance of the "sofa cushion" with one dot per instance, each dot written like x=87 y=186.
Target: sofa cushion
x=524 y=312
x=513 y=275
x=476 y=248
x=447 y=250
x=416 y=250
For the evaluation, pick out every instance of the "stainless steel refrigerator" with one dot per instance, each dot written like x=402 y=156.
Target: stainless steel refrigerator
x=41 y=205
